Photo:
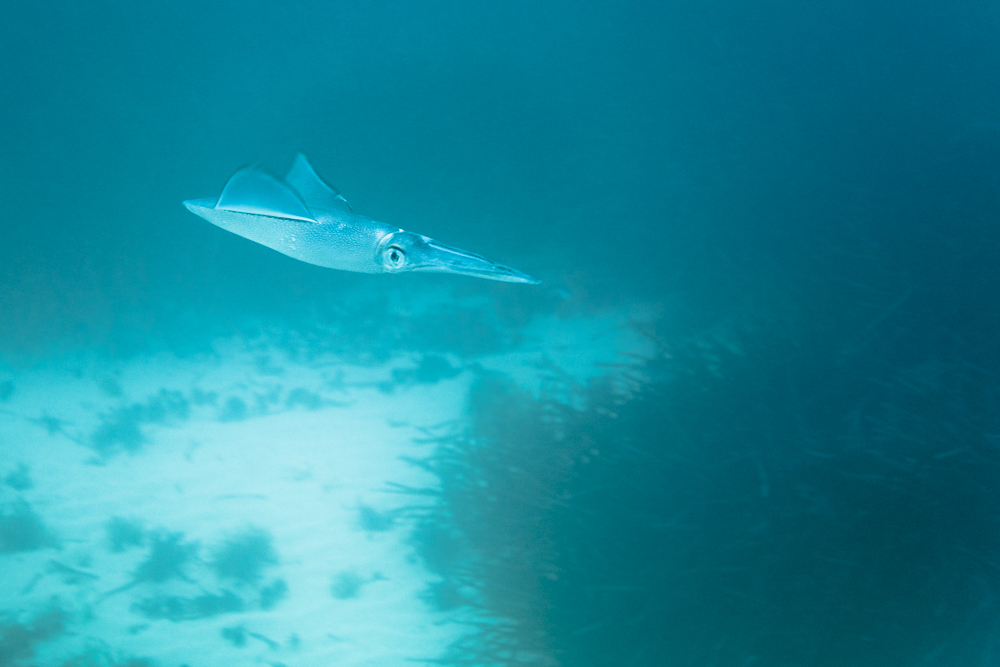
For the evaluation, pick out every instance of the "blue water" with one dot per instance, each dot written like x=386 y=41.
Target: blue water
x=793 y=205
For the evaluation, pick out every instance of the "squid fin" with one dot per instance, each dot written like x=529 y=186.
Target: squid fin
x=254 y=191
x=317 y=194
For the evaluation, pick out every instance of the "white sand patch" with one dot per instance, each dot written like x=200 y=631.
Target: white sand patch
x=201 y=451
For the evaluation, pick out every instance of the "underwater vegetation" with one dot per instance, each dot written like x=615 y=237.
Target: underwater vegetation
x=122 y=429
x=238 y=635
x=243 y=557
x=102 y=657
x=168 y=557
x=273 y=593
x=21 y=529
x=432 y=368
x=18 y=640
x=347 y=585
x=176 y=608
x=121 y=534
x=302 y=397
x=749 y=500
x=373 y=521
x=20 y=479
x=69 y=575
x=240 y=559
x=234 y=409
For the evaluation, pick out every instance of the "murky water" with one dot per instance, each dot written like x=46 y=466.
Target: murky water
x=747 y=418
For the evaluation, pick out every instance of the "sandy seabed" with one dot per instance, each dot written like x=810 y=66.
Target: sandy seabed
x=197 y=457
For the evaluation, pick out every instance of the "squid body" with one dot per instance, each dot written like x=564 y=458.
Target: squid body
x=303 y=217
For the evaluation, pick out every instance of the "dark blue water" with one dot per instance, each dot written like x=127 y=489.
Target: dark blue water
x=808 y=195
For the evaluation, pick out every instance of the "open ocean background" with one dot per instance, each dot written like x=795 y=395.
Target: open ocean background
x=750 y=418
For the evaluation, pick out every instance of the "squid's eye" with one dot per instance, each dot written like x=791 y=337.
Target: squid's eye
x=394 y=256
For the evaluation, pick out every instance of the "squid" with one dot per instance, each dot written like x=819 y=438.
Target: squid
x=305 y=218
